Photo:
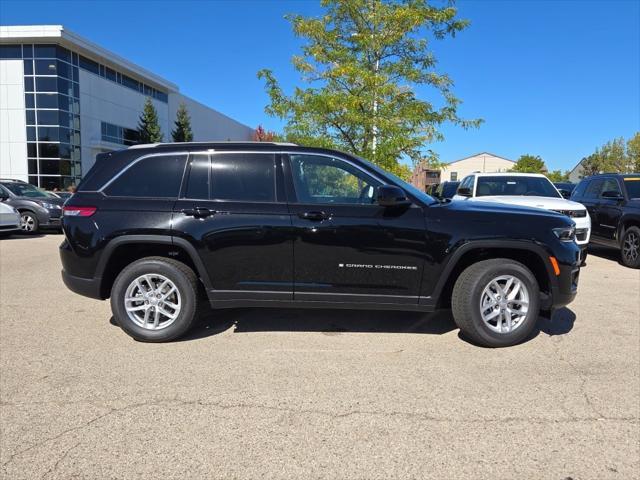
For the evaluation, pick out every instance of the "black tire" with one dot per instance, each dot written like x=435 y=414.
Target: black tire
x=182 y=277
x=630 y=247
x=31 y=219
x=466 y=297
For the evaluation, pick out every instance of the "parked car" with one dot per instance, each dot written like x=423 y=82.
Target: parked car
x=613 y=202
x=530 y=190
x=9 y=219
x=279 y=225
x=38 y=210
x=446 y=190
x=565 y=188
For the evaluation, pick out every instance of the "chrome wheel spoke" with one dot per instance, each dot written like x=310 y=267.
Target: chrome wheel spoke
x=504 y=303
x=147 y=306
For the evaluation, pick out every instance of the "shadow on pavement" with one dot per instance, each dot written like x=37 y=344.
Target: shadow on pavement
x=321 y=320
x=333 y=322
x=21 y=236
x=608 y=253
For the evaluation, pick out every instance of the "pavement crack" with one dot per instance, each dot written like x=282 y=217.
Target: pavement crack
x=60 y=460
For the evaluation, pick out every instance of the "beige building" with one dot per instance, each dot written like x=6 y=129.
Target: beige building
x=483 y=162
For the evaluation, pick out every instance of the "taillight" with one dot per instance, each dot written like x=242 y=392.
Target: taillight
x=72 y=211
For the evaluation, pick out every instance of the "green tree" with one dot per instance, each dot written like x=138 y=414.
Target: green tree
x=182 y=131
x=558 y=176
x=529 y=164
x=361 y=62
x=148 y=127
x=633 y=153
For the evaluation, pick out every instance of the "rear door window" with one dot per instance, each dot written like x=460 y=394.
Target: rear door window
x=243 y=177
x=152 y=177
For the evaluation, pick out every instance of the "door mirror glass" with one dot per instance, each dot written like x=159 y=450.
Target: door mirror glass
x=464 y=192
x=391 y=196
x=611 y=195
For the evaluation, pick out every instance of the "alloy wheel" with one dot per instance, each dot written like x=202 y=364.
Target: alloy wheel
x=631 y=247
x=152 y=301
x=27 y=222
x=504 y=304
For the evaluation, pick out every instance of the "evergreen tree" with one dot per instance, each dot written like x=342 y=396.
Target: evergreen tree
x=148 y=127
x=182 y=132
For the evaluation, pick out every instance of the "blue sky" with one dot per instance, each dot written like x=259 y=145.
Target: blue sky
x=551 y=78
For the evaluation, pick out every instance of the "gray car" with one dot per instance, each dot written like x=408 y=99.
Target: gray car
x=38 y=209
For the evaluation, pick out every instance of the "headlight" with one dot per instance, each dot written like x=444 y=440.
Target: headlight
x=49 y=206
x=565 y=234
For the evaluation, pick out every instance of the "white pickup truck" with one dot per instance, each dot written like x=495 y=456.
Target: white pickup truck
x=529 y=190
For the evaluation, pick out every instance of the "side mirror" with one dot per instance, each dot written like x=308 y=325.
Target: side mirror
x=612 y=195
x=391 y=196
x=464 y=192
x=3 y=197
x=565 y=193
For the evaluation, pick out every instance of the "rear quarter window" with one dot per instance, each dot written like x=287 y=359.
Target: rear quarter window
x=155 y=177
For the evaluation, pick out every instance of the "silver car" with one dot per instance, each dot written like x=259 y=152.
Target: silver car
x=9 y=219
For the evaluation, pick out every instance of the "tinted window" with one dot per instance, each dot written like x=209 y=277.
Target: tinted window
x=611 y=185
x=10 y=51
x=158 y=177
x=449 y=188
x=632 y=184
x=515 y=186
x=198 y=182
x=579 y=190
x=320 y=179
x=243 y=177
x=594 y=189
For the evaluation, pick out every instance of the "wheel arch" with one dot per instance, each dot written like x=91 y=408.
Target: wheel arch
x=530 y=255
x=122 y=251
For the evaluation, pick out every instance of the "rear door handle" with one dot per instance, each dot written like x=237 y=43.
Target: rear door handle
x=314 y=216
x=198 y=212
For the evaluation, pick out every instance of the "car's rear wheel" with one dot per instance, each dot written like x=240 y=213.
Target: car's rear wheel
x=495 y=302
x=29 y=222
x=154 y=299
x=631 y=247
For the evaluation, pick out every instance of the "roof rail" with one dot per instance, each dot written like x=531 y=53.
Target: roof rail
x=222 y=142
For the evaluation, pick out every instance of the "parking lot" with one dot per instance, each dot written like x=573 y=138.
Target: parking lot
x=313 y=394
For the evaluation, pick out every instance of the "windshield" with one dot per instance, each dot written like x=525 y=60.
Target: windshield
x=632 y=185
x=401 y=183
x=25 y=190
x=516 y=186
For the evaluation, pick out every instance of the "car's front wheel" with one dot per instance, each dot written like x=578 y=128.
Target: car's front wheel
x=154 y=299
x=495 y=302
x=631 y=247
x=29 y=222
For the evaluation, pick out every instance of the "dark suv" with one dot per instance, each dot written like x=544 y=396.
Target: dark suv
x=613 y=201
x=38 y=209
x=279 y=225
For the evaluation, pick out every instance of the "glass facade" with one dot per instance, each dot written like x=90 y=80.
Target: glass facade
x=52 y=102
x=117 y=134
x=52 y=110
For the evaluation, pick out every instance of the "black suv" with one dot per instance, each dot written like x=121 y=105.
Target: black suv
x=279 y=225
x=613 y=201
x=38 y=209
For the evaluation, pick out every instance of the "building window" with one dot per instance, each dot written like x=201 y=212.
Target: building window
x=454 y=176
x=52 y=102
x=117 y=134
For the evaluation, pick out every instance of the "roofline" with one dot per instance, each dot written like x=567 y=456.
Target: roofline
x=481 y=153
x=210 y=144
x=60 y=35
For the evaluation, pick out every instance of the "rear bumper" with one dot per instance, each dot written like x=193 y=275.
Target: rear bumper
x=88 y=287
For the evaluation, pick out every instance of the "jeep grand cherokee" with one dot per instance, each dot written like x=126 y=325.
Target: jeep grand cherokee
x=279 y=225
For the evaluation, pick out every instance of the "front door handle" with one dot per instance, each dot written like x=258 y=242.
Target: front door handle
x=315 y=216
x=198 y=212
